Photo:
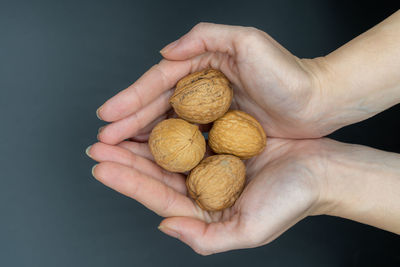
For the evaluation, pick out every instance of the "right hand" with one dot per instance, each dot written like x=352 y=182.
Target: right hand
x=271 y=84
x=288 y=181
x=283 y=185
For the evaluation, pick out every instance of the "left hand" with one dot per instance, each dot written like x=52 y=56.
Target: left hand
x=280 y=90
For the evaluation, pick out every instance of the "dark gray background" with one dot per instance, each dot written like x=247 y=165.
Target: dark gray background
x=60 y=60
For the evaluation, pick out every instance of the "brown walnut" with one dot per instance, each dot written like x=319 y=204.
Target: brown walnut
x=176 y=145
x=202 y=97
x=217 y=182
x=237 y=133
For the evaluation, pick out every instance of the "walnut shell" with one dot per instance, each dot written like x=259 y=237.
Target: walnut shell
x=202 y=97
x=217 y=182
x=177 y=145
x=237 y=133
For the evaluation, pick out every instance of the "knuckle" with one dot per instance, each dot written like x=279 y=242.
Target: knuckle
x=137 y=122
x=133 y=190
x=165 y=176
x=138 y=97
x=201 y=251
x=254 y=239
x=203 y=247
x=163 y=75
x=251 y=238
x=169 y=203
x=201 y=26
x=132 y=159
x=251 y=34
x=247 y=236
x=252 y=29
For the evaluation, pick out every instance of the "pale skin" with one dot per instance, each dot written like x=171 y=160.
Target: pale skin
x=297 y=101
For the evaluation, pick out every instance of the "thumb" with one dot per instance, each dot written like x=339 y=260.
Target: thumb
x=205 y=37
x=204 y=238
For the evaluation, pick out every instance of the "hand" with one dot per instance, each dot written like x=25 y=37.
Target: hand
x=280 y=90
x=283 y=188
x=285 y=94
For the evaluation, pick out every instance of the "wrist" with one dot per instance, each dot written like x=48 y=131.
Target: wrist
x=323 y=108
x=360 y=184
x=359 y=79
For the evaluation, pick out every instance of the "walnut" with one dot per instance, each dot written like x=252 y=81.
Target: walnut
x=177 y=146
x=202 y=97
x=217 y=182
x=237 y=133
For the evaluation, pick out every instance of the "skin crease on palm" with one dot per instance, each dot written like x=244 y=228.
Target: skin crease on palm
x=289 y=180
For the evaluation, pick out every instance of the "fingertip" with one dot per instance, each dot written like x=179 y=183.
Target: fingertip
x=87 y=151
x=105 y=171
x=98 y=136
x=184 y=48
x=93 y=170
x=191 y=232
x=98 y=113
x=169 y=47
x=99 y=131
x=186 y=226
x=104 y=136
x=97 y=150
x=105 y=113
x=169 y=231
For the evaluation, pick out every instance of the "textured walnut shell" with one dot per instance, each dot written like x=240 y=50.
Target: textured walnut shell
x=177 y=145
x=237 y=133
x=202 y=97
x=217 y=182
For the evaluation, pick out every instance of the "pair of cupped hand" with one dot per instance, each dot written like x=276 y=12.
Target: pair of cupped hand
x=284 y=183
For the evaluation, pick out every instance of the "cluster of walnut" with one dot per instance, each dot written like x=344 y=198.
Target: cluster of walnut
x=178 y=145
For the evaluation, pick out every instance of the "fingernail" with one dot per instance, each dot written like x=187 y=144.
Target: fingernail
x=97 y=113
x=87 y=151
x=93 y=170
x=169 y=47
x=168 y=231
x=100 y=129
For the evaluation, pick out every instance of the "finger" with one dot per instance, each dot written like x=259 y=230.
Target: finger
x=210 y=37
x=204 y=37
x=220 y=61
x=141 y=149
x=151 y=125
x=158 y=79
x=117 y=131
x=206 y=238
x=103 y=152
x=140 y=138
x=153 y=194
x=143 y=134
